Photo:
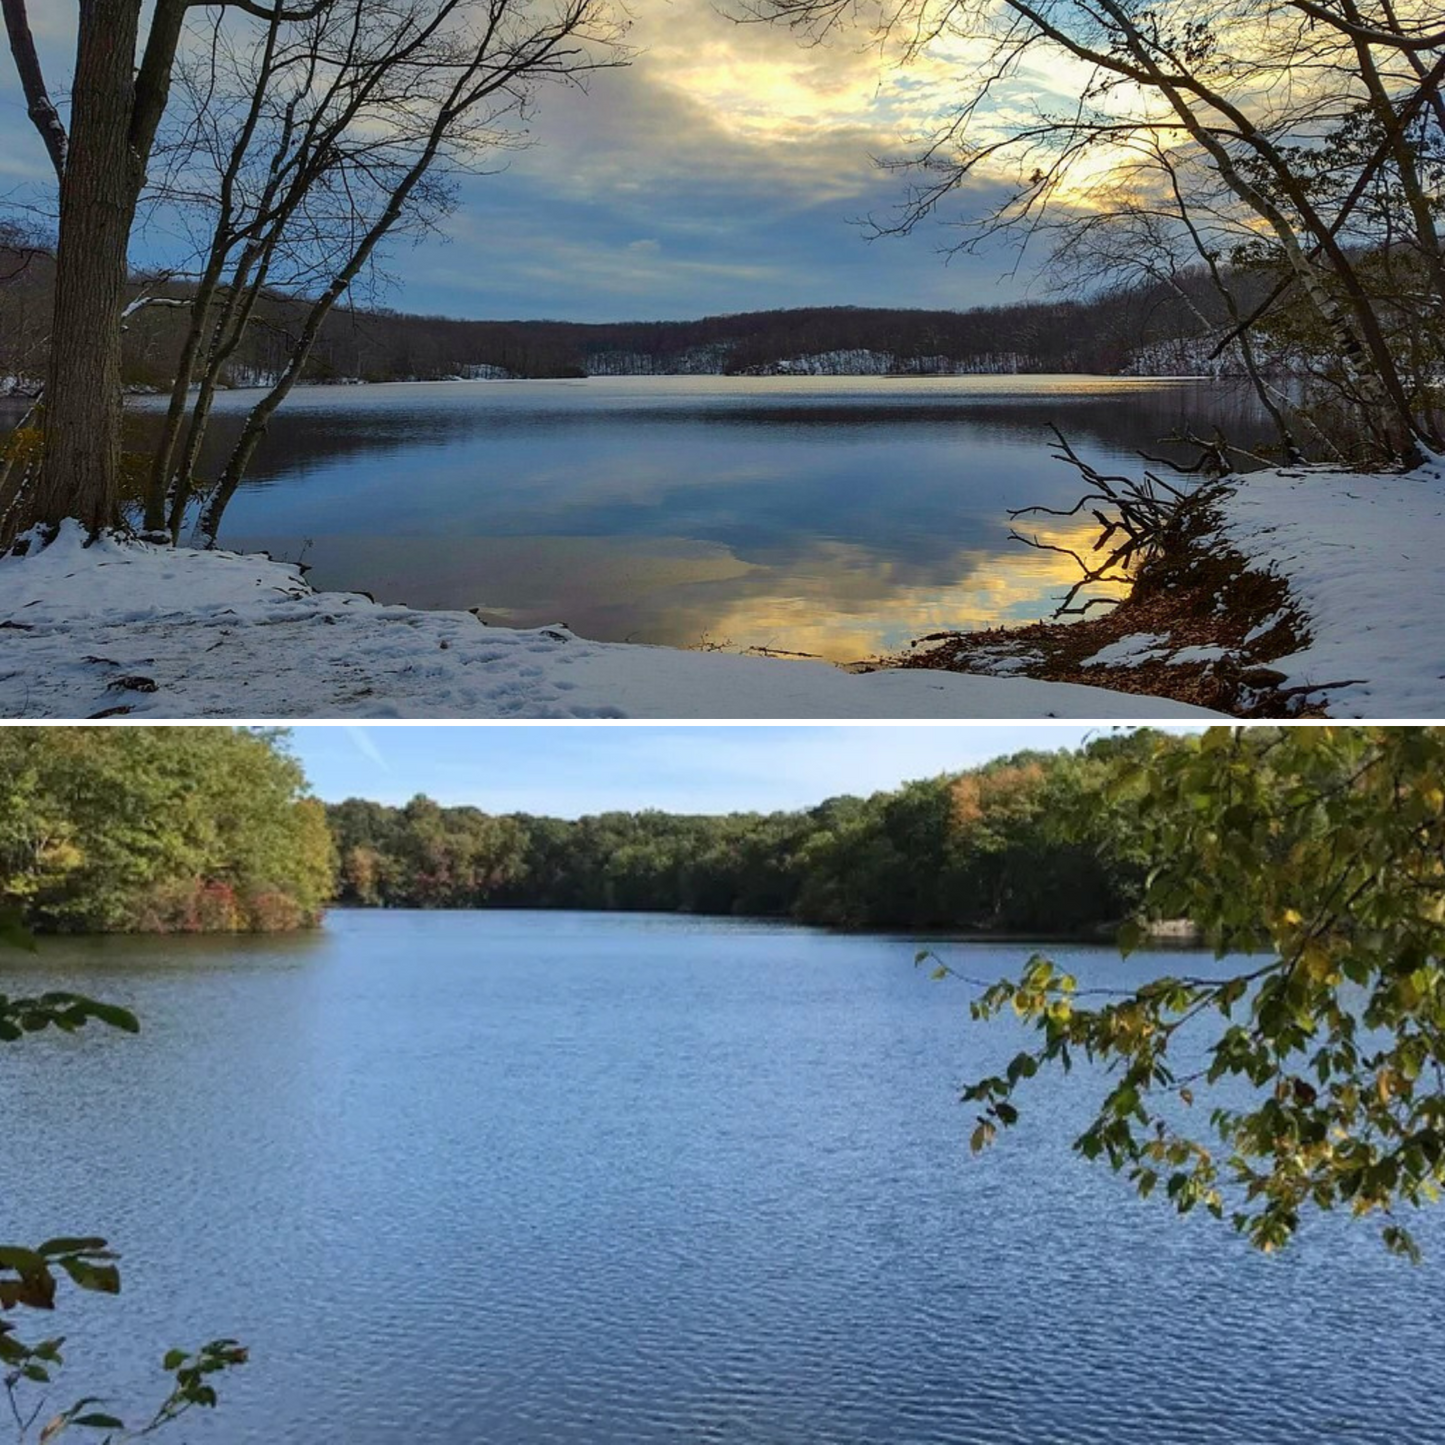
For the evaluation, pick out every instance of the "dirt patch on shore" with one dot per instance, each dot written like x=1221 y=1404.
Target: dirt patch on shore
x=1199 y=625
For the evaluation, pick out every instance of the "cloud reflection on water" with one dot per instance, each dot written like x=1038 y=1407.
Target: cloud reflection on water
x=840 y=517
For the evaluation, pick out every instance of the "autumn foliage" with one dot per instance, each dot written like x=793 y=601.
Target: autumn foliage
x=158 y=830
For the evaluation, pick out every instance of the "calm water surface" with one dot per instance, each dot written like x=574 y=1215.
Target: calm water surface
x=839 y=516
x=620 y=1180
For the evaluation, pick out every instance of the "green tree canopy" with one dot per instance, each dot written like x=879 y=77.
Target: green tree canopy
x=158 y=829
x=975 y=850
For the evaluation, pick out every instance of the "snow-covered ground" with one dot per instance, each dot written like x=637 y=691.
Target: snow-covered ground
x=1136 y=647
x=151 y=632
x=1365 y=560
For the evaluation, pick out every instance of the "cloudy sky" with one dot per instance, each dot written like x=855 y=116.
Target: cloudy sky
x=566 y=771
x=724 y=170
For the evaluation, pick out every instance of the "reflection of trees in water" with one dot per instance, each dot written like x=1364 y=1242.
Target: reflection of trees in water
x=354 y=425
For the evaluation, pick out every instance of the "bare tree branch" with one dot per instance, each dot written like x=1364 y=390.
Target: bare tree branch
x=42 y=109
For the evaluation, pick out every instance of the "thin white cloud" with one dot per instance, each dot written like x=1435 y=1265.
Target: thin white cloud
x=366 y=745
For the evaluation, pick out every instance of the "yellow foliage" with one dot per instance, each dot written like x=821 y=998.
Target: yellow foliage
x=59 y=856
x=976 y=795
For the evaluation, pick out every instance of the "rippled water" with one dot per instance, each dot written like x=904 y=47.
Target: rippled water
x=546 y=1178
x=838 y=516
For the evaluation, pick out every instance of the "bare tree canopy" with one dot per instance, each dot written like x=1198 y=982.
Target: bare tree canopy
x=308 y=132
x=1303 y=137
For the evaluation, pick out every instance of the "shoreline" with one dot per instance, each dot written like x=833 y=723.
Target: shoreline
x=1166 y=936
x=1199 y=625
x=1289 y=593
x=122 y=628
x=143 y=392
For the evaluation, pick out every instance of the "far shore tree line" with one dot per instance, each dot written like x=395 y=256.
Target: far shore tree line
x=1146 y=327
x=291 y=142
x=986 y=849
x=211 y=830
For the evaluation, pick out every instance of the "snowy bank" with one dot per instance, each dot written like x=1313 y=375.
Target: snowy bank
x=1295 y=591
x=123 y=628
x=1361 y=555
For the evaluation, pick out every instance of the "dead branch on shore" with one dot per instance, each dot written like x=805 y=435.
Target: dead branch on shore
x=1141 y=514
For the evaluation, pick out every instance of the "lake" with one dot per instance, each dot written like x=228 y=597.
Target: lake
x=536 y=1178
x=837 y=516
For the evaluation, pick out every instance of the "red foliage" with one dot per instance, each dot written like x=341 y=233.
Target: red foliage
x=208 y=906
x=271 y=911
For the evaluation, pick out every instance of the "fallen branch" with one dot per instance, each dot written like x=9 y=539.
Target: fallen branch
x=1145 y=513
x=1092 y=576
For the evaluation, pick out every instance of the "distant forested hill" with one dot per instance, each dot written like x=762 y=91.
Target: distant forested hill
x=164 y=830
x=1149 y=329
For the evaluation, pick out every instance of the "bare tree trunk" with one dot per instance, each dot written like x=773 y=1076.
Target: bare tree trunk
x=493 y=63
x=80 y=475
x=254 y=430
x=260 y=418
x=43 y=115
x=155 y=512
x=230 y=329
x=160 y=479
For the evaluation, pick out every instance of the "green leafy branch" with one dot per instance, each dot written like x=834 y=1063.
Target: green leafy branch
x=1324 y=850
x=191 y=1388
x=64 y=1011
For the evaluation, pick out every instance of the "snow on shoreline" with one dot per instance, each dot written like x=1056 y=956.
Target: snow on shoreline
x=149 y=632
x=1362 y=555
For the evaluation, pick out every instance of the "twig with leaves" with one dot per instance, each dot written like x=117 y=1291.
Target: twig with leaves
x=1321 y=851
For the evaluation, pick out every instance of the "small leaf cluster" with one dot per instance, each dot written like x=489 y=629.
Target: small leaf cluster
x=27 y=1276
x=60 y=1010
x=193 y=1373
